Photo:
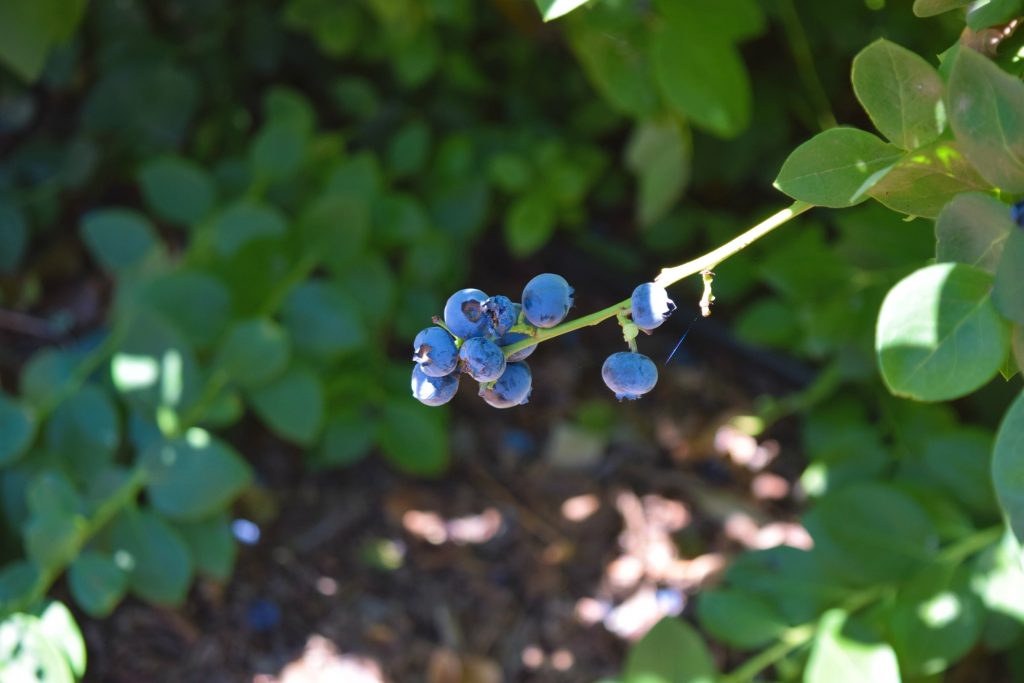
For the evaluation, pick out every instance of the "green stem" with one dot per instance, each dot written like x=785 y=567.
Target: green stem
x=125 y=494
x=804 y=59
x=669 y=276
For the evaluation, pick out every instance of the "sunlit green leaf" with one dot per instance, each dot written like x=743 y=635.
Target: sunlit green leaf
x=1008 y=466
x=671 y=652
x=839 y=657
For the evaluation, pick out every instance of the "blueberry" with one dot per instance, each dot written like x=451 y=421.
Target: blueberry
x=511 y=389
x=629 y=375
x=510 y=339
x=502 y=314
x=651 y=306
x=1017 y=213
x=547 y=299
x=433 y=391
x=464 y=313
x=262 y=615
x=435 y=352
x=481 y=359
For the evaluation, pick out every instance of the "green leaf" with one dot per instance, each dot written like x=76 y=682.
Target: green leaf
x=986 y=112
x=29 y=655
x=253 y=351
x=836 y=168
x=993 y=13
x=1008 y=291
x=925 y=180
x=408 y=149
x=1008 y=466
x=278 y=150
x=157 y=560
x=243 y=222
x=960 y=461
x=413 y=437
x=17 y=429
x=671 y=652
x=939 y=336
x=175 y=296
x=212 y=544
x=335 y=228
x=659 y=156
x=45 y=375
x=702 y=77
x=901 y=92
x=347 y=439
x=195 y=476
x=1017 y=344
x=97 y=583
x=995 y=577
x=738 y=618
x=732 y=20
x=868 y=533
x=13 y=236
x=840 y=658
x=374 y=281
x=529 y=224
x=154 y=367
x=934 y=621
x=292 y=405
x=929 y=8
x=52 y=538
x=177 y=190
x=322 y=320
x=972 y=229
x=552 y=9
x=85 y=430
x=58 y=624
x=30 y=28
x=120 y=239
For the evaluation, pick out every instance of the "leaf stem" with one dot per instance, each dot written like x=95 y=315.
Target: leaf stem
x=669 y=276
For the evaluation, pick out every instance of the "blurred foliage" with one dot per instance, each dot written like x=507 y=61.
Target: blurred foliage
x=277 y=191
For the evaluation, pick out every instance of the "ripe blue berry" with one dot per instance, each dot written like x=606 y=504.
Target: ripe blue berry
x=511 y=389
x=651 y=306
x=435 y=352
x=629 y=375
x=547 y=299
x=1017 y=213
x=501 y=313
x=481 y=359
x=464 y=313
x=433 y=391
x=510 y=339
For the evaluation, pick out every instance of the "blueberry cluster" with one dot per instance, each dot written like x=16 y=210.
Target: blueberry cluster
x=477 y=327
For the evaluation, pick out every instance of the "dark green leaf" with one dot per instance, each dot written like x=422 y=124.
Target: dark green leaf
x=243 y=222
x=278 y=150
x=702 y=77
x=836 y=168
x=732 y=20
x=45 y=375
x=336 y=228
x=175 y=296
x=158 y=562
x=120 y=239
x=840 y=658
x=177 y=190
x=13 y=236
x=939 y=318
x=671 y=652
x=961 y=462
x=659 y=155
x=929 y=8
x=1008 y=291
x=901 y=92
x=738 y=618
x=292 y=405
x=347 y=439
x=85 y=430
x=97 y=583
x=17 y=429
x=408 y=149
x=867 y=533
x=925 y=180
x=212 y=544
x=253 y=351
x=1008 y=466
x=986 y=112
x=993 y=13
x=195 y=476
x=413 y=437
x=322 y=320
x=529 y=224
x=52 y=538
x=972 y=229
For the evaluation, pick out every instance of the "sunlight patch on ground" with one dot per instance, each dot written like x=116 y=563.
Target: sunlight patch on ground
x=321 y=662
